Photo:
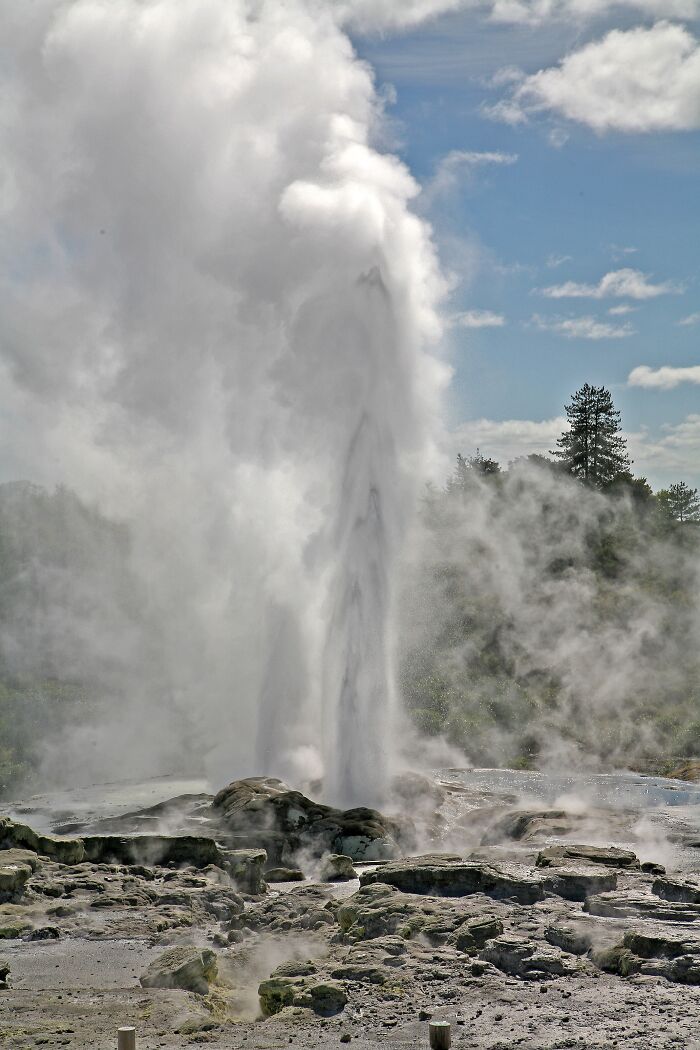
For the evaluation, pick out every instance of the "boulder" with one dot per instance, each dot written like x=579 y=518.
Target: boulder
x=335 y=867
x=184 y=967
x=525 y=825
x=572 y=939
x=19 y=856
x=323 y=997
x=21 y=836
x=445 y=874
x=600 y=856
x=4 y=975
x=473 y=934
x=261 y=811
x=13 y=879
x=659 y=954
x=284 y=875
x=575 y=884
x=521 y=958
x=640 y=906
x=686 y=891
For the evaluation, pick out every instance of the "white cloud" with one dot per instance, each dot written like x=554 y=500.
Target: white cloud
x=459 y=165
x=554 y=261
x=478 y=319
x=622 y=310
x=690 y=320
x=582 y=327
x=636 y=80
x=620 y=284
x=665 y=378
x=671 y=455
x=507 y=439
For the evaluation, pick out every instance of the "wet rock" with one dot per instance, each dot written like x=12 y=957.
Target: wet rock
x=21 y=836
x=264 y=812
x=335 y=867
x=643 y=906
x=152 y=849
x=601 y=856
x=522 y=958
x=444 y=874
x=525 y=825
x=184 y=967
x=687 y=891
x=575 y=884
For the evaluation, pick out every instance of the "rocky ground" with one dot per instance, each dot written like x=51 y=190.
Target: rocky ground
x=258 y=919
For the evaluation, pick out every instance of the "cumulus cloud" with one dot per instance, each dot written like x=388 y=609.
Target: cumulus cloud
x=620 y=284
x=478 y=319
x=665 y=378
x=582 y=327
x=622 y=310
x=690 y=320
x=636 y=80
x=507 y=439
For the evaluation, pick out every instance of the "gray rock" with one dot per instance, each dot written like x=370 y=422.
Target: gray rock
x=686 y=891
x=21 y=836
x=473 y=934
x=575 y=884
x=182 y=967
x=323 y=997
x=572 y=939
x=19 y=856
x=335 y=867
x=525 y=825
x=444 y=874
x=642 y=906
x=602 y=856
x=4 y=976
x=284 y=875
x=13 y=879
x=521 y=958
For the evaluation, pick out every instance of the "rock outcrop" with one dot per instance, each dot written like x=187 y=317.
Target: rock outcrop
x=448 y=875
x=190 y=968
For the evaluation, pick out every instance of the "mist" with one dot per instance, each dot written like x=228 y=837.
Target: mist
x=219 y=316
x=548 y=623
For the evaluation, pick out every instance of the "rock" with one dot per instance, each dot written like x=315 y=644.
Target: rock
x=473 y=934
x=335 y=867
x=525 y=825
x=688 y=771
x=4 y=975
x=603 y=856
x=618 y=959
x=19 y=856
x=246 y=867
x=639 y=905
x=575 y=884
x=45 y=933
x=264 y=812
x=673 y=956
x=521 y=958
x=362 y=972
x=649 y=867
x=325 y=998
x=14 y=930
x=152 y=850
x=687 y=891
x=20 y=836
x=184 y=967
x=284 y=875
x=570 y=939
x=13 y=879
x=444 y=874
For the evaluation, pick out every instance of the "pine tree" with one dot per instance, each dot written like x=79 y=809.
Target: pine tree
x=680 y=501
x=593 y=448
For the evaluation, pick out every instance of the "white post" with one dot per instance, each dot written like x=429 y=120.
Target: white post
x=126 y=1039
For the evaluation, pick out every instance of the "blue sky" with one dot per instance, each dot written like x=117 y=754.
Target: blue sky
x=570 y=184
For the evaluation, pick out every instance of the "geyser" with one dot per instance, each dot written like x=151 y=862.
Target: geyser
x=218 y=313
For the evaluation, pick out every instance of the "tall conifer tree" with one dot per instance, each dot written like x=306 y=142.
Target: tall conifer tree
x=593 y=448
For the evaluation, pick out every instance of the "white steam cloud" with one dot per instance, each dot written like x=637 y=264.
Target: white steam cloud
x=217 y=310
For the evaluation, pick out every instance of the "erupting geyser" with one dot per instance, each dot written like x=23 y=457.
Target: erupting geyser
x=219 y=307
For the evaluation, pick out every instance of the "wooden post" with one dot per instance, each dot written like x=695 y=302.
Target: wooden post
x=126 y=1039
x=440 y=1035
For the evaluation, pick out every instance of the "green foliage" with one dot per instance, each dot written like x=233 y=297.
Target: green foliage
x=680 y=502
x=593 y=449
